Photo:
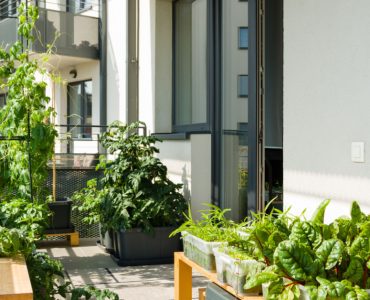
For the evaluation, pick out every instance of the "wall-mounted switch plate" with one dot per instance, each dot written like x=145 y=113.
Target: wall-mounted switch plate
x=358 y=152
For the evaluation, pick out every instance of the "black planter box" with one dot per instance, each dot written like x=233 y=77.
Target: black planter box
x=134 y=247
x=60 y=220
x=106 y=241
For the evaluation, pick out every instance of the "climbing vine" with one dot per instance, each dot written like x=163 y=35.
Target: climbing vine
x=25 y=119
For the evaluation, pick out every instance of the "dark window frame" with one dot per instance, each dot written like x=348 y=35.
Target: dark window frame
x=195 y=127
x=240 y=28
x=241 y=95
x=69 y=85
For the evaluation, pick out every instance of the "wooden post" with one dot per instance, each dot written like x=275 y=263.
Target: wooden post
x=183 y=279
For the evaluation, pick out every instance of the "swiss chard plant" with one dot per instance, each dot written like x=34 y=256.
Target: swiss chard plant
x=135 y=191
x=330 y=261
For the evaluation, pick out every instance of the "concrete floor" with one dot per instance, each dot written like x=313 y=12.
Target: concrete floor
x=88 y=264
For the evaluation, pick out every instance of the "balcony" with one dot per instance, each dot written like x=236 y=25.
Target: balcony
x=72 y=29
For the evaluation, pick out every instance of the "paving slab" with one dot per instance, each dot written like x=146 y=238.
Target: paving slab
x=88 y=264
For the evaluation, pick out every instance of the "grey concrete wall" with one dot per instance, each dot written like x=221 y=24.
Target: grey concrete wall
x=326 y=103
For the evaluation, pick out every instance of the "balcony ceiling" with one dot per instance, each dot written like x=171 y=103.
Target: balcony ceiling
x=62 y=61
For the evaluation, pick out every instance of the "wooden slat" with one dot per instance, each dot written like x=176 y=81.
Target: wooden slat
x=14 y=279
x=180 y=260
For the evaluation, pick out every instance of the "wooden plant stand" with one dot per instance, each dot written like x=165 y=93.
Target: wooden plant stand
x=14 y=279
x=183 y=279
x=72 y=237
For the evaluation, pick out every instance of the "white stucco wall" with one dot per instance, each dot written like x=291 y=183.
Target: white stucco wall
x=326 y=104
x=189 y=163
x=116 y=60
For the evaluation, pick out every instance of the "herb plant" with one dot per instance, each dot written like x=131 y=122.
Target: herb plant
x=135 y=191
x=213 y=226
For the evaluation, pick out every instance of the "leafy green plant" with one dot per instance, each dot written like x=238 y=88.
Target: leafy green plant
x=89 y=292
x=135 y=190
x=30 y=218
x=328 y=262
x=213 y=226
x=25 y=116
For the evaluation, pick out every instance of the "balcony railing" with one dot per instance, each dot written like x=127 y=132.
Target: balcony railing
x=79 y=147
x=71 y=26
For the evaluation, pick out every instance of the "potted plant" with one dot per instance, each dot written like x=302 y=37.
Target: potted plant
x=200 y=237
x=233 y=264
x=25 y=121
x=135 y=198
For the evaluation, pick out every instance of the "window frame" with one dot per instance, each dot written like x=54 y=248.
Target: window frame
x=240 y=76
x=75 y=83
x=195 y=127
x=240 y=28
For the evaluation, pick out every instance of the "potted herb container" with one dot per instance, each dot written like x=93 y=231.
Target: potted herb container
x=134 y=199
x=212 y=230
x=233 y=265
x=200 y=251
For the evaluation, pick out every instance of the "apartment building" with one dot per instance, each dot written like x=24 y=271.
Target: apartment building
x=252 y=99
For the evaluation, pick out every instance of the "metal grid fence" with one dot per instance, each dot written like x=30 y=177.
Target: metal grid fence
x=68 y=181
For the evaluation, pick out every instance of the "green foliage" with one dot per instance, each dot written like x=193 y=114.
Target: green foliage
x=135 y=190
x=89 y=292
x=45 y=274
x=13 y=242
x=331 y=261
x=22 y=222
x=266 y=231
x=24 y=80
x=29 y=218
x=213 y=226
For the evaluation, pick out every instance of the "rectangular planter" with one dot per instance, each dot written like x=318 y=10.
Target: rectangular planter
x=60 y=220
x=234 y=271
x=134 y=247
x=106 y=241
x=200 y=251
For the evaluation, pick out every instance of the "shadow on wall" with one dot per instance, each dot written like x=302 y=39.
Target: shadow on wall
x=185 y=182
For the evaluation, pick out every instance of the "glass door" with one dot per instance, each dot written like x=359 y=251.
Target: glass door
x=234 y=107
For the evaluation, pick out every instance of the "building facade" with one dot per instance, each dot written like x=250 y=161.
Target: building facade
x=250 y=97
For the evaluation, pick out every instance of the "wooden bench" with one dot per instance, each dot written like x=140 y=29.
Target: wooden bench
x=14 y=279
x=72 y=237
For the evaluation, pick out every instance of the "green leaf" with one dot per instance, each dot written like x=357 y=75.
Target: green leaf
x=295 y=260
x=319 y=214
x=355 y=270
x=257 y=279
x=356 y=213
x=306 y=233
x=357 y=294
x=330 y=253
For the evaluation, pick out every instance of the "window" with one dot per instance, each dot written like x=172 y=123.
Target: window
x=76 y=6
x=2 y=100
x=80 y=109
x=8 y=8
x=190 y=66
x=243 y=86
x=243 y=37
